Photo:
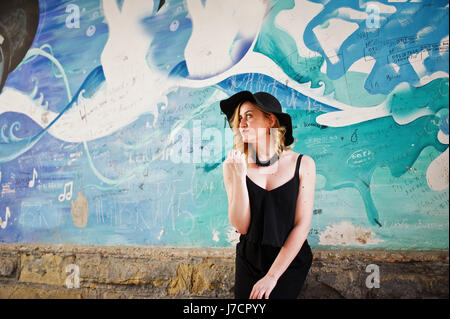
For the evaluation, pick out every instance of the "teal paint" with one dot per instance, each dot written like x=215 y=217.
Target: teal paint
x=372 y=175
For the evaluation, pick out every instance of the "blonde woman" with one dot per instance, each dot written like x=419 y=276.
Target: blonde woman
x=270 y=198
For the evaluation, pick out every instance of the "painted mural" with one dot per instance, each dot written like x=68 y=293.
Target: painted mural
x=111 y=131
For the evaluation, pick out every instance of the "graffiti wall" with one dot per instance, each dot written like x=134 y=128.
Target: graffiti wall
x=111 y=131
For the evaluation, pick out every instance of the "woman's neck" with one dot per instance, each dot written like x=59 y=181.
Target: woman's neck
x=263 y=152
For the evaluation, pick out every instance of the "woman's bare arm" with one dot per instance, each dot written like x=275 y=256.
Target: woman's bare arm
x=238 y=199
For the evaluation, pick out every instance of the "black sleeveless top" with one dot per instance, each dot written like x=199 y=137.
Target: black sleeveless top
x=272 y=219
x=273 y=212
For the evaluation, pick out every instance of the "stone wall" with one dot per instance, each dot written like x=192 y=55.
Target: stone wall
x=44 y=271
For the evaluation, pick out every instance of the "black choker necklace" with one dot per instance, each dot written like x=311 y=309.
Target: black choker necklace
x=267 y=163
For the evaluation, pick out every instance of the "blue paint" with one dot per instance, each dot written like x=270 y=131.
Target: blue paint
x=373 y=173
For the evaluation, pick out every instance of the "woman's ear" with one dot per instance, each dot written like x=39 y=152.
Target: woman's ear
x=273 y=120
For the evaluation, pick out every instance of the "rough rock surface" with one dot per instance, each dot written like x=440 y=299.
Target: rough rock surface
x=64 y=271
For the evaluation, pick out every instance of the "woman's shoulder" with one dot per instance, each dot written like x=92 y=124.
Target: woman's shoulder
x=307 y=162
x=294 y=155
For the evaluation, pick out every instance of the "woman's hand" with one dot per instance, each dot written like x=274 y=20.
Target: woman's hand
x=237 y=160
x=263 y=287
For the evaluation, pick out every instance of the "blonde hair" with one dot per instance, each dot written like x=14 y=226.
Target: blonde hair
x=279 y=138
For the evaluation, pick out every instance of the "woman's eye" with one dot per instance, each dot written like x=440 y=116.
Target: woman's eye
x=246 y=116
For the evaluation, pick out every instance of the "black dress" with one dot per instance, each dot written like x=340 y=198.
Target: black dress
x=272 y=218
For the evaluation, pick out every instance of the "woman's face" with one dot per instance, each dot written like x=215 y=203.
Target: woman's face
x=253 y=124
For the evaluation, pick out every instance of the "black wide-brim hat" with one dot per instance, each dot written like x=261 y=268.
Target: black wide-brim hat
x=265 y=101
